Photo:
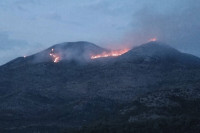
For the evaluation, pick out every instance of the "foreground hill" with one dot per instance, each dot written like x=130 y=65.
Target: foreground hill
x=149 y=83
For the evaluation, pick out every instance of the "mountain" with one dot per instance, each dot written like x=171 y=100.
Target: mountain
x=160 y=52
x=143 y=90
x=71 y=51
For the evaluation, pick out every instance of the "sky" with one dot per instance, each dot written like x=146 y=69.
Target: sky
x=29 y=26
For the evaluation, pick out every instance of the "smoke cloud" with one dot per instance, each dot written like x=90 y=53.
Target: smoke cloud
x=176 y=23
x=112 y=24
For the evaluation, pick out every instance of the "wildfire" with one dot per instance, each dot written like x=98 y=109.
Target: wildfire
x=55 y=57
x=108 y=54
x=153 y=39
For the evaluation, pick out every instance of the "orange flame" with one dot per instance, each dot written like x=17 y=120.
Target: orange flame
x=112 y=53
x=153 y=39
x=55 y=57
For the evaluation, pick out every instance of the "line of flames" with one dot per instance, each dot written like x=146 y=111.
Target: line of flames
x=109 y=54
x=56 y=58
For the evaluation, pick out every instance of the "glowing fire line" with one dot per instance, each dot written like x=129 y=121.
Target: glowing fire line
x=108 y=54
x=153 y=39
x=55 y=57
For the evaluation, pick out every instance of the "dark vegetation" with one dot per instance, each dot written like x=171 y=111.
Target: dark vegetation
x=182 y=119
x=152 y=88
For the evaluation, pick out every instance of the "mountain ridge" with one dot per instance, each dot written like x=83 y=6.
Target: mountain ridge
x=81 y=51
x=69 y=95
x=160 y=52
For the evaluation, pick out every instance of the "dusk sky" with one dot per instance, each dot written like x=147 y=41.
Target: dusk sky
x=29 y=26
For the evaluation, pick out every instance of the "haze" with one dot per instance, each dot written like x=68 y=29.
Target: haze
x=28 y=26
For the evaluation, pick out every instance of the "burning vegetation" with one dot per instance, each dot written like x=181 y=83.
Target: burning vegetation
x=55 y=57
x=153 y=39
x=111 y=53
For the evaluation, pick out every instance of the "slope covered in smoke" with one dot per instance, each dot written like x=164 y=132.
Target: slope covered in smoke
x=50 y=97
x=69 y=51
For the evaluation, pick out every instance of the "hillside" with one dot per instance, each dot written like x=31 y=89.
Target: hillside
x=37 y=94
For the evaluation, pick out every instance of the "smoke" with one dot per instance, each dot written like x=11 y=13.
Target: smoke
x=79 y=52
x=113 y=24
x=175 y=23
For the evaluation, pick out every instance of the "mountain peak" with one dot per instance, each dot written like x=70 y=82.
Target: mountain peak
x=155 y=49
x=152 y=49
x=77 y=44
x=159 y=52
x=82 y=51
x=77 y=51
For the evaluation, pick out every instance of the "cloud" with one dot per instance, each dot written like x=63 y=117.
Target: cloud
x=175 y=23
x=7 y=43
x=113 y=23
x=13 y=48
